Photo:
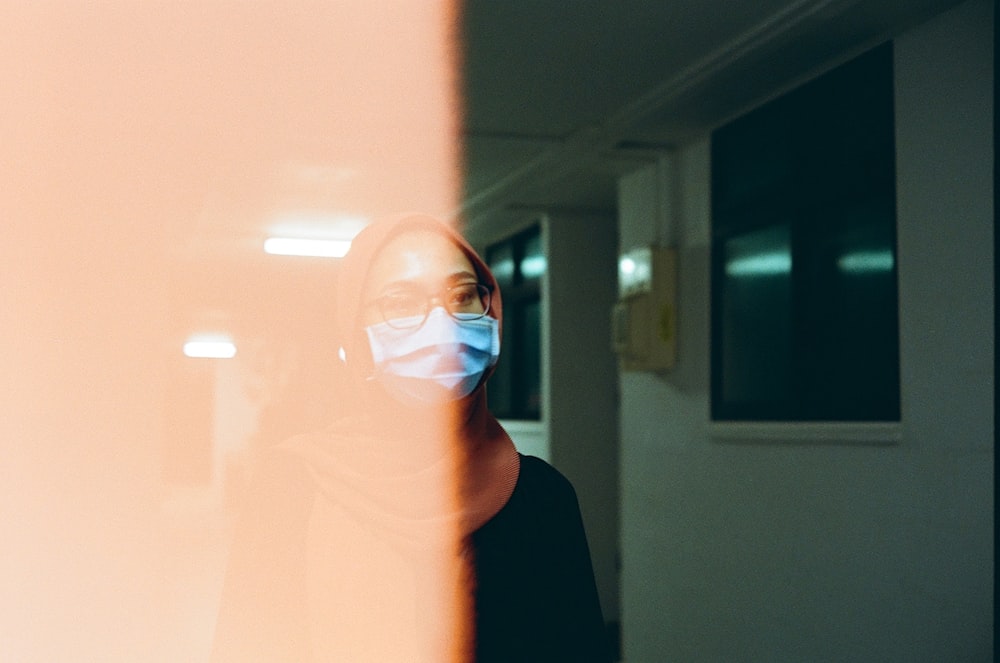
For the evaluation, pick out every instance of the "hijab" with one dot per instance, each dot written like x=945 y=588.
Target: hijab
x=421 y=477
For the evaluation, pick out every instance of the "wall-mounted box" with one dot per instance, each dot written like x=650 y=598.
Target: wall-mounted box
x=644 y=320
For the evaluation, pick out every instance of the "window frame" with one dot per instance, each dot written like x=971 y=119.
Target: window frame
x=793 y=188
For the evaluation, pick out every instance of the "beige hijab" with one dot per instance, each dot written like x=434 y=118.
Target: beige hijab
x=383 y=460
x=405 y=485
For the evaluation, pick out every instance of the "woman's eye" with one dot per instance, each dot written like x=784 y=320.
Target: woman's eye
x=463 y=296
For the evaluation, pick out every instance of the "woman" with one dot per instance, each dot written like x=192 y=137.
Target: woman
x=412 y=530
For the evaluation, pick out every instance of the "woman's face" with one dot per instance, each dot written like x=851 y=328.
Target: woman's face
x=418 y=262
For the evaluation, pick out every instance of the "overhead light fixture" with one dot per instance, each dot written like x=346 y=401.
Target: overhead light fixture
x=210 y=346
x=635 y=269
x=296 y=246
x=313 y=234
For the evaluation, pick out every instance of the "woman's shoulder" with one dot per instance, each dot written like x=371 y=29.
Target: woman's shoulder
x=536 y=467
x=538 y=477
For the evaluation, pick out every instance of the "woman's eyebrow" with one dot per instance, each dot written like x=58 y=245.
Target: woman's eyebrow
x=463 y=276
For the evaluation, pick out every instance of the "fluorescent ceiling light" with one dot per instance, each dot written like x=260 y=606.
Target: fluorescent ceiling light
x=322 y=235
x=210 y=347
x=295 y=246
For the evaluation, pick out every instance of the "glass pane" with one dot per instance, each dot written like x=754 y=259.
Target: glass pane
x=851 y=350
x=529 y=387
x=756 y=319
x=753 y=157
x=499 y=388
x=501 y=262
x=532 y=257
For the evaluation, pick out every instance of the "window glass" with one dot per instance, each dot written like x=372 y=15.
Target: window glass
x=531 y=395
x=756 y=303
x=851 y=346
x=501 y=263
x=518 y=263
x=804 y=289
x=532 y=265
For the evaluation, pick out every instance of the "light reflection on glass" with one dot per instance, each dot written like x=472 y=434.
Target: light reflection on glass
x=864 y=262
x=533 y=266
x=503 y=269
x=760 y=264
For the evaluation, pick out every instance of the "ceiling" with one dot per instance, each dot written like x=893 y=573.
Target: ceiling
x=142 y=133
x=238 y=110
x=564 y=97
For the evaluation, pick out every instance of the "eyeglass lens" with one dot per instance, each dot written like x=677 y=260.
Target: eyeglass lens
x=403 y=309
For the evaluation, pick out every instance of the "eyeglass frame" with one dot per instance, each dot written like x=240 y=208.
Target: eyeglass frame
x=485 y=297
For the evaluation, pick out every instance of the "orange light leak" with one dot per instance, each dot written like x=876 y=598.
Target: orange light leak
x=148 y=148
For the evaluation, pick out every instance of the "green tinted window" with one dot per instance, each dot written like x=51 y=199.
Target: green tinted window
x=518 y=263
x=804 y=295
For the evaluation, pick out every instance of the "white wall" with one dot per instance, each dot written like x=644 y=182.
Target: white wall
x=824 y=551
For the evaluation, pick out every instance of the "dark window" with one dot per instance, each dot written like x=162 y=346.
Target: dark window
x=518 y=263
x=804 y=296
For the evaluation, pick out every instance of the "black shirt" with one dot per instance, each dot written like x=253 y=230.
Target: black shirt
x=535 y=595
x=536 y=599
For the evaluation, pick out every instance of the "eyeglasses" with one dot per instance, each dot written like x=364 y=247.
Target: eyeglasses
x=408 y=308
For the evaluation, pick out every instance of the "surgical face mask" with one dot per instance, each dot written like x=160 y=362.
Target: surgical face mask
x=442 y=360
